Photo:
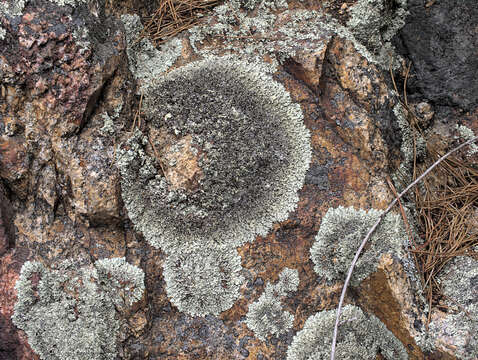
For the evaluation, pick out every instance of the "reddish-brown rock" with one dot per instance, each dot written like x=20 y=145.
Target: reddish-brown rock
x=67 y=100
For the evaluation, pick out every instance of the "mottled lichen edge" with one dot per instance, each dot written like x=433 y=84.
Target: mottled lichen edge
x=283 y=198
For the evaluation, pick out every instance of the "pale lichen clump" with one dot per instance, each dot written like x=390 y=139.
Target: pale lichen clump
x=340 y=234
x=12 y=8
x=411 y=146
x=235 y=20
x=374 y=23
x=266 y=316
x=253 y=151
x=253 y=147
x=70 y=312
x=467 y=134
x=145 y=61
x=459 y=281
x=361 y=336
x=262 y=31
x=202 y=280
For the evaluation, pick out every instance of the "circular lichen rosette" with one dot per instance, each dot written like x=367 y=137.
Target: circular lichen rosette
x=222 y=156
x=202 y=280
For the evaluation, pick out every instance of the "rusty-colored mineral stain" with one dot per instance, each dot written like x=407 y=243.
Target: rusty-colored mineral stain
x=386 y=294
x=178 y=158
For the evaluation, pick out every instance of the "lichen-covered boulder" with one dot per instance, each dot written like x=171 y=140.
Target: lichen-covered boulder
x=76 y=106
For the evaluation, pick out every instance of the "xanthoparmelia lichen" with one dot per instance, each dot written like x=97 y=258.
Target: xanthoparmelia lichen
x=265 y=316
x=374 y=23
x=263 y=31
x=13 y=8
x=459 y=281
x=254 y=153
x=202 y=280
x=69 y=312
x=340 y=234
x=468 y=134
x=145 y=61
x=361 y=336
x=404 y=173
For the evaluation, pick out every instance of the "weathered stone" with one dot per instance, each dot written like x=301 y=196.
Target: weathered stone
x=454 y=332
x=13 y=344
x=440 y=40
x=392 y=296
x=67 y=101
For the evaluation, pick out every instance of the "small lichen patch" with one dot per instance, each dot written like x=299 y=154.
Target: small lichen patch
x=69 y=312
x=145 y=61
x=247 y=138
x=467 y=134
x=458 y=330
x=340 y=234
x=374 y=23
x=12 y=7
x=265 y=316
x=69 y=2
x=202 y=280
x=361 y=336
x=408 y=150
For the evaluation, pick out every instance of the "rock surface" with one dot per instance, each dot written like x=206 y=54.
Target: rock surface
x=70 y=93
x=440 y=39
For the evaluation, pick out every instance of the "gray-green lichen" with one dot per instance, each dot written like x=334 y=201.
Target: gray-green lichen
x=374 y=23
x=12 y=7
x=459 y=282
x=145 y=61
x=68 y=2
x=69 y=312
x=109 y=127
x=3 y=32
x=467 y=134
x=256 y=151
x=256 y=34
x=340 y=234
x=265 y=316
x=371 y=26
x=361 y=336
x=403 y=175
x=202 y=280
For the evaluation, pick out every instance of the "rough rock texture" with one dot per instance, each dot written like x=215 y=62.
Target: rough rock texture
x=440 y=40
x=68 y=97
x=455 y=331
x=7 y=231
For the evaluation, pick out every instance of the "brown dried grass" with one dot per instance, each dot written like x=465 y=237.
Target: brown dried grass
x=447 y=208
x=174 y=16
